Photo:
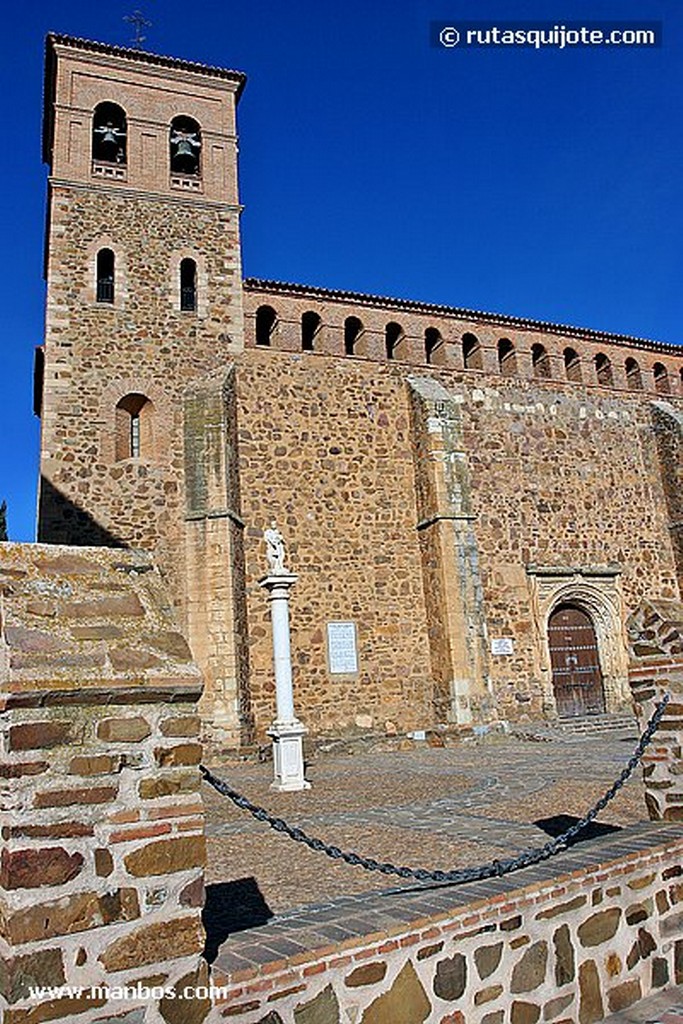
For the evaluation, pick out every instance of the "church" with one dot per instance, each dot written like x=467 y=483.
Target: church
x=473 y=504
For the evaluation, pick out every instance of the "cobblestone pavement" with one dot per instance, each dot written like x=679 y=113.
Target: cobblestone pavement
x=428 y=807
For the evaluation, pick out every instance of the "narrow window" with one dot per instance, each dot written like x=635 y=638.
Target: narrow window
x=109 y=134
x=661 y=376
x=572 y=365
x=188 y=285
x=185 y=142
x=393 y=335
x=634 y=377
x=472 y=355
x=266 y=322
x=540 y=361
x=135 y=435
x=353 y=328
x=603 y=370
x=105 y=276
x=507 y=358
x=310 y=325
x=433 y=345
x=134 y=427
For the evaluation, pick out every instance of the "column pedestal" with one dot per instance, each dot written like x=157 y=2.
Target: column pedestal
x=286 y=731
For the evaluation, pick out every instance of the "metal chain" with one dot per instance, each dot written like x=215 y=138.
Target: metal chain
x=473 y=874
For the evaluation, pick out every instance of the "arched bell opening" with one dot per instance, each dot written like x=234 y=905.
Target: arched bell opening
x=185 y=141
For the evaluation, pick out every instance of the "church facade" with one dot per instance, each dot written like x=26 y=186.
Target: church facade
x=473 y=504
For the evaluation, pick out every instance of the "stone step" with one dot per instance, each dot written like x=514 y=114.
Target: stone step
x=598 y=724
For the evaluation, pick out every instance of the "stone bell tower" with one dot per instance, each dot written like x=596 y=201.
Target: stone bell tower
x=144 y=302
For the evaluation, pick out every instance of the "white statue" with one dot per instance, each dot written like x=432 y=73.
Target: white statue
x=275 y=549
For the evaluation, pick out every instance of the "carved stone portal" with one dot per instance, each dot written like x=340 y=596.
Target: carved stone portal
x=595 y=590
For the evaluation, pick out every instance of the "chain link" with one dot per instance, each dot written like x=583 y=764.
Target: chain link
x=474 y=874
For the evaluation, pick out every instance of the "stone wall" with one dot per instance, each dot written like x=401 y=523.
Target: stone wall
x=656 y=644
x=438 y=513
x=588 y=934
x=101 y=873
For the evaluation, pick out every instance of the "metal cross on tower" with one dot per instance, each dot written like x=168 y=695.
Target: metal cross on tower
x=139 y=22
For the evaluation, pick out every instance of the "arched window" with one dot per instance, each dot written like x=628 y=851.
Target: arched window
x=353 y=328
x=266 y=322
x=634 y=378
x=472 y=355
x=603 y=370
x=572 y=365
x=540 y=361
x=185 y=141
x=433 y=345
x=661 y=376
x=105 y=276
x=188 y=285
x=134 y=427
x=507 y=358
x=393 y=336
x=109 y=133
x=310 y=325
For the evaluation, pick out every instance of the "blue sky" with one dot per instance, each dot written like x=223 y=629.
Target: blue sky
x=543 y=184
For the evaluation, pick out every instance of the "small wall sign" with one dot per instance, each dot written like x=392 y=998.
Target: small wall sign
x=342 y=649
x=503 y=645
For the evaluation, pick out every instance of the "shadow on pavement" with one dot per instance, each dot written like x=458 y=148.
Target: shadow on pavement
x=559 y=823
x=232 y=907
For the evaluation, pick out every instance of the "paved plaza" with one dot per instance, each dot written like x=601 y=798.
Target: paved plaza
x=429 y=807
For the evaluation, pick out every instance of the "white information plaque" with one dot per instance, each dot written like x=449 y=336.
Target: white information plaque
x=342 y=650
x=503 y=645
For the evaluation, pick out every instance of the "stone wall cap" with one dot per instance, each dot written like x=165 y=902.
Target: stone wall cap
x=95 y=618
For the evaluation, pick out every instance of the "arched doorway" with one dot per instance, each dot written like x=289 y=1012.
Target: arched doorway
x=577 y=678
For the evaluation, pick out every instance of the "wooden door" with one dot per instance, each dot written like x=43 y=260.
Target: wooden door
x=577 y=679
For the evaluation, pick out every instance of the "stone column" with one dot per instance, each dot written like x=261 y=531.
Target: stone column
x=286 y=731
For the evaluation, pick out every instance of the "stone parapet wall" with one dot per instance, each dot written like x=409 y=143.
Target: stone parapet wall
x=101 y=872
x=596 y=938
x=656 y=645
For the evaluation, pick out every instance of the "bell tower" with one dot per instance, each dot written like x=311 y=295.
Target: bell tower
x=143 y=281
x=144 y=293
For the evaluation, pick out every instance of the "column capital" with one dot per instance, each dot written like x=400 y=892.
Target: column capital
x=278 y=580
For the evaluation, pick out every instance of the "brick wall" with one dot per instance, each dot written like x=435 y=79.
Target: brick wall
x=587 y=934
x=101 y=871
